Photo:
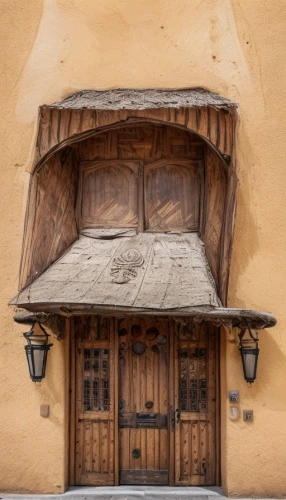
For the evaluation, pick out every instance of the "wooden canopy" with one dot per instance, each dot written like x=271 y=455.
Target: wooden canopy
x=120 y=271
x=50 y=228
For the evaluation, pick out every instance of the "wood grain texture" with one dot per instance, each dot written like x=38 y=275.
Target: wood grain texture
x=143 y=381
x=72 y=409
x=151 y=270
x=173 y=114
x=98 y=275
x=172 y=195
x=50 y=225
x=146 y=142
x=142 y=142
x=61 y=127
x=195 y=379
x=108 y=194
x=215 y=186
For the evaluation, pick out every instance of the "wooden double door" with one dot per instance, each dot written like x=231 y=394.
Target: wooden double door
x=146 y=399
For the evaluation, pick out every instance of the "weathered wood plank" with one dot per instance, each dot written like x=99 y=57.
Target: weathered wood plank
x=162 y=271
x=215 y=185
x=50 y=221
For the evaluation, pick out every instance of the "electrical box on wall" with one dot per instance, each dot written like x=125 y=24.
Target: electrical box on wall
x=247 y=415
x=233 y=396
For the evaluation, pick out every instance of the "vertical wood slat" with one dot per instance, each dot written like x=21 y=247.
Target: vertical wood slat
x=96 y=449
x=87 y=444
x=141 y=221
x=105 y=445
x=217 y=409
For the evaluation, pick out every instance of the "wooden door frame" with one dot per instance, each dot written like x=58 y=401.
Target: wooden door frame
x=72 y=405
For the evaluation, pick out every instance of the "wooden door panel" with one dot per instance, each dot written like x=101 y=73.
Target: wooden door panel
x=95 y=403
x=146 y=386
x=108 y=194
x=172 y=195
x=143 y=402
x=195 y=381
x=96 y=460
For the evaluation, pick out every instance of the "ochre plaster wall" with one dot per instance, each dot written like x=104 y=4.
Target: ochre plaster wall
x=236 y=48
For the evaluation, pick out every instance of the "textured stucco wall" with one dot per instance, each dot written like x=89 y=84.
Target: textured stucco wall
x=52 y=48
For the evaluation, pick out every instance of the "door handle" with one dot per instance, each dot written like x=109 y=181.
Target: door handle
x=178 y=411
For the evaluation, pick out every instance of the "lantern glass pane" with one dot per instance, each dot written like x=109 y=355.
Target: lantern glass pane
x=30 y=361
x=38 y=361
x=249 y=360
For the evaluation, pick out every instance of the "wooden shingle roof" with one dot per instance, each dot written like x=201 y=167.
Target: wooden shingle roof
x=117 y=99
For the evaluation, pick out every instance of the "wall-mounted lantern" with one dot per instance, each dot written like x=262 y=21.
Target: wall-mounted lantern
x=37 y=352
x=249 y=354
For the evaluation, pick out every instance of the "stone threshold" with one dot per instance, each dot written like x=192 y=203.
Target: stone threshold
x=127 y=493
x=132 y=493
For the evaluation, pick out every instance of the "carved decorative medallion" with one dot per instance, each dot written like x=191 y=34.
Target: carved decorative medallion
x=162 y=340
x=152 y=333
x=138 y=347
x=136 y=331
x=123 y=268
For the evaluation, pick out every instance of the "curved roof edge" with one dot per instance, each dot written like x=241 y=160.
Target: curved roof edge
x=119 y=99
x=219 y=316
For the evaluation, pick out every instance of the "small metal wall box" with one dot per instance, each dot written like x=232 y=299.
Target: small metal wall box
x=247 y=415
x=44 y=411
x=233 y=396
x=233 y=413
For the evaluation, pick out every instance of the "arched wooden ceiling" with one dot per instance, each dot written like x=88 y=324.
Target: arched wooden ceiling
x=88 y=112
